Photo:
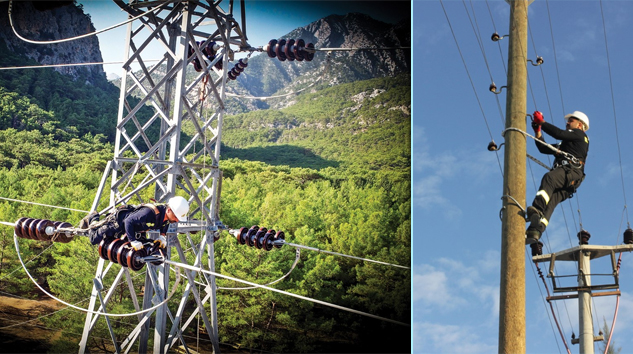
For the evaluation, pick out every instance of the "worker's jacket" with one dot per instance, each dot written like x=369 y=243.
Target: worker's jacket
x=131 y=221
x=573 y=141
x=145 y=218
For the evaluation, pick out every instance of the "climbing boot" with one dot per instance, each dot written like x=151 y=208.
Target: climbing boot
x=532 y=236
x=534 y=215
x=85 y=222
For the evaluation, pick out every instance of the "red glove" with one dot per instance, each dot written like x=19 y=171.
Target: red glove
x=537 y=118
x=536 y=127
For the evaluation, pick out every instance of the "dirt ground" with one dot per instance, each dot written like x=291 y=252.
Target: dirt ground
x=16 y=336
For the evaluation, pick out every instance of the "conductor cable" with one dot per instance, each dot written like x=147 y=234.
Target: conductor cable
x=17 y=249
x=72 y=38
x=294 y=264
x=201 y=270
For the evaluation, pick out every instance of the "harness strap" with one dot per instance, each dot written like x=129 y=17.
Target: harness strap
x=153 y=207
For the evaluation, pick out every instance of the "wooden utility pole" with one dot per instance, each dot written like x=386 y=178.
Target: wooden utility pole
x=512 y=287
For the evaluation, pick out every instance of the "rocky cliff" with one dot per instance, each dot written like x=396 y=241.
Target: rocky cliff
x=52 y=20
x=266 y=76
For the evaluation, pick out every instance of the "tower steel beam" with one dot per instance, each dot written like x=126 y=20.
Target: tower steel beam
x=155 y=104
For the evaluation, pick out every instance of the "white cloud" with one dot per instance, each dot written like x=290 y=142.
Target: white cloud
x=429 y=337
x=453 y=286
x=431 y=290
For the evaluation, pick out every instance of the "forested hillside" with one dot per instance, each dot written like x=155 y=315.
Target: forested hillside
x=332 y=170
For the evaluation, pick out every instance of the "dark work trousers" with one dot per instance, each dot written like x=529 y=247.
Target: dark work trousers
x=556 y=186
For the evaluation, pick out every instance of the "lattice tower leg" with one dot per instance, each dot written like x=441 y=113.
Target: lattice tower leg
x=169 y=162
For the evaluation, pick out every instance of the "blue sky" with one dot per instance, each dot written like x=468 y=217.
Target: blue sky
x=457 y=183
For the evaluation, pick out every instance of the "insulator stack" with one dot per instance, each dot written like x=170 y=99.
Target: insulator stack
x=121 y=252
x=260 y=238
x=238 y=68
x=583 y=237
x=290 y=49
x=209 y=52
x=628 y=236
x=42 y=230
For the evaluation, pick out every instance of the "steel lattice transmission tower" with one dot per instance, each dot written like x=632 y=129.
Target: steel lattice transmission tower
x=156 y=105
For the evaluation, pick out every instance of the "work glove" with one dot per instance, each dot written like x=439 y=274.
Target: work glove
x=137 y=245
x=162 y=241
x=536 y=127
x=537 y=118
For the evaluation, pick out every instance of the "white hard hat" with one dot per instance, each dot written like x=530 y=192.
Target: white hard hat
x=179 y=206
x=580 y=116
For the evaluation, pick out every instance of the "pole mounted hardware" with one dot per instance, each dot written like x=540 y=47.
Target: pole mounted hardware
x=493 y=88
x=539 y=61
x=496 y=37
x=492 y=146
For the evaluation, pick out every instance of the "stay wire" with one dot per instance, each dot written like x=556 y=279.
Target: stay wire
x=470 y=79
x=617 y=138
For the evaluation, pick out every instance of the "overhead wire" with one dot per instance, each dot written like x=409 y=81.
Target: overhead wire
x=543 y=299
x=483 y=50
x=548 y=159
x=76 y=37
x=494 y=26
x=615 y=119
x=471 y=80
x=17 y=249
x=202 y=270
x=40 y=204
x=68 y=64
x=549 y=248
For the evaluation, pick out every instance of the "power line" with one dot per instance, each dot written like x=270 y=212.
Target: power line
x=68 y=64
x=483 y=51
x=471 y=81
x=72 y=38
x=46 y=205
x=202 y=270
x=617 y=138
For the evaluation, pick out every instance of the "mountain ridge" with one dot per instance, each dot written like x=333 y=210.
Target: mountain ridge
x=46 y=21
